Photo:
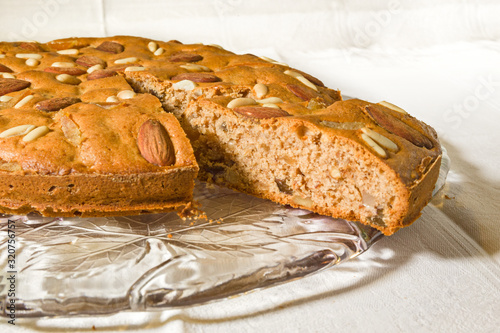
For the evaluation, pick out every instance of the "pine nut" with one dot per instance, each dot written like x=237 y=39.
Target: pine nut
x=126 y=94
x=241 y=102
x=129 y=60
x=36 y=133
x=18 y=130
x=22 y=102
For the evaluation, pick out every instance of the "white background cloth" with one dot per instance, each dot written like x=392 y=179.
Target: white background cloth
x=438 y=60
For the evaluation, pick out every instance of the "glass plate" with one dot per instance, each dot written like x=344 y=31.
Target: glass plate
x=68 y=266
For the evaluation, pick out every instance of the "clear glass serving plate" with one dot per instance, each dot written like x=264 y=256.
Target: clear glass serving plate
x=95 y=266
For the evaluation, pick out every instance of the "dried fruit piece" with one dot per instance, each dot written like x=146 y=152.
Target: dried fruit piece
x=396 y=126
x=111 y=47
x=90 y=61
x=71 y=130
x=283 y=187
x=185 y=57
x=55 y=104
x=5 y=69
x=11 y=85
x=155 y=144
x=260 y=112
x=301 y=92
x=99 y=74
x=196 y=77
x=75 y=71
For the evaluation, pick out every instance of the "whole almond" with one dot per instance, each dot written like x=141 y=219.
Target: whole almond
x=111 y=47
x=301 y=92
x=311 y=78
x=196 y=77
x=75 y=71
x=398 y=127
x=5 y=69
x=32 y=47
x=260 y=112
x=89 y=61
x=102 y=73
x=55 y=104
x=185 y=57
x=11 y=85
x=155 y=144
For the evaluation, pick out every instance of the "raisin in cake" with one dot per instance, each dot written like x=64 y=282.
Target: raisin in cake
x=255 y=125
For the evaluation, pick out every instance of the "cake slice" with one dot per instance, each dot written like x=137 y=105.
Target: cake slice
x=74 y=146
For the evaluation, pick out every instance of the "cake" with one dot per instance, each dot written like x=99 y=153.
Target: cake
x=255 y=125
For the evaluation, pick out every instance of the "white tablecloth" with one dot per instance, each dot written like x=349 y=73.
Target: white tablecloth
x=438 y=60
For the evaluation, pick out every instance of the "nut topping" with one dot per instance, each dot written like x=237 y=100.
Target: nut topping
x=260 y=112
x=380 y=139
x=158 y=52
x=5 y=69
x=55 y=104
x=111 y=47
x=301 y=92
x=101 y=73
x=196 y=68
x=23 y=102
x=186 y=85
x=66 y=70
x=69 y=52
x=68 y=79
x=185 y=57
x=31 y=47
x=196 y=77
x=90 y=61
x=379 y=150
x=152 y=46
x=11 y=85
x=126 y=94
x=29 y=55
x=260 y=90
x=398 y=127
x=393 y=107
x=154 y=144
x=63 y=64
x=129 y=60
x=240 y=102
x=32 y=62
x=18 y=130
x=36 y=133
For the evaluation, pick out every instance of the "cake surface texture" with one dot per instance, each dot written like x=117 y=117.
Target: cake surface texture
x=120 y=125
